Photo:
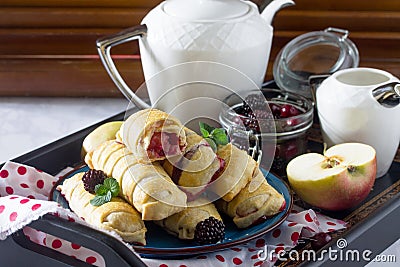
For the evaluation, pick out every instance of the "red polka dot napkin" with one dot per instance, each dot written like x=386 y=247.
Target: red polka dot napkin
x=24 y=191
x=17 y=211
x=263 y=251
x=25 y=181
x=23 y=197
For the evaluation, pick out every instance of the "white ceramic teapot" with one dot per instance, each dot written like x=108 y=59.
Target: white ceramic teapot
x=230 y=33
x=361 y=105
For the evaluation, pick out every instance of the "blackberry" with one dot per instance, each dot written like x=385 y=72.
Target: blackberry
x=209 y=231
x=245 y=110
x=251 y=124
x=91 y=178
x=263 y=114
x=265 y=119
x=254 y=101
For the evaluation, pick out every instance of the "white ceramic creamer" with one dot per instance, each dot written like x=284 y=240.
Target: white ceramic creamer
x=349 y=111
x=226 y=42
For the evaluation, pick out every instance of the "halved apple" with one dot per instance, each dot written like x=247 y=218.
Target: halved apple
x=338 y=180
x=101 y=134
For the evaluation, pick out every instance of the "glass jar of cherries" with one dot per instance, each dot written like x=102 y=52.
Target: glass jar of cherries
x=270 y=122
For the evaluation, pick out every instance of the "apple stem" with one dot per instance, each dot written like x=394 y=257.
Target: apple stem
x=325 y=147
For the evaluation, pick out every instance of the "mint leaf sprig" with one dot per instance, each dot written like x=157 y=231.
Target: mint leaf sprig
x=104 y=192
x=214 y=136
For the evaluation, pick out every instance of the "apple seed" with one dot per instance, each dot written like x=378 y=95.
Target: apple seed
x=330 y=163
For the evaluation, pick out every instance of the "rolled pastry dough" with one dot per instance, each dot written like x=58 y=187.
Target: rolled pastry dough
x=238 y=171
x=152 y=135
x=144 y=185
x=183 y=224
x=196 y=168
x=116 y=215
x=258 y=200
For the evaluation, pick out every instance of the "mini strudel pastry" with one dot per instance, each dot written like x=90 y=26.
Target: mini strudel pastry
x=144 y=185
x=152 y=135
x=256 y=202
x=238 y=171
x=116 y=215
x=200 y=222
x=196 y=168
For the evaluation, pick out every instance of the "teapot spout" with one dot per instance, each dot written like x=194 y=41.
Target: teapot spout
x=273 y=7
x=387 y=95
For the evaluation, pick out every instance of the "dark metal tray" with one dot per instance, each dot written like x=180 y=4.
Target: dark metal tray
x=19 y=251
x=373 y=218
x=371 y=225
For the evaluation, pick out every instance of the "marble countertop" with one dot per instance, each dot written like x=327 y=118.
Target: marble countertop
x=31 y=122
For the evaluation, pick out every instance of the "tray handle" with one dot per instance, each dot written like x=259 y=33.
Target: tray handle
x=113 y=251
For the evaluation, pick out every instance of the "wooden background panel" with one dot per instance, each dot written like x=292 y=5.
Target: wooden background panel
x=74 y=77
x=372 y=46
x=374 y=28
x=308 y=20
x=348 y=5
x=358 y=5
x=79 y=42
x=70 y=17
x=47 y=44
x=80 y=3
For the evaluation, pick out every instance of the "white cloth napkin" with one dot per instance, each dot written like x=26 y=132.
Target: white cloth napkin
x=24 y=191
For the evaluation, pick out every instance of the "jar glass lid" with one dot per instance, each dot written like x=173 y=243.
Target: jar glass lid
x=313 y=53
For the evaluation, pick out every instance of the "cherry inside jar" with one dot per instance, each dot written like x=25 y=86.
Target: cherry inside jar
x=274 y=121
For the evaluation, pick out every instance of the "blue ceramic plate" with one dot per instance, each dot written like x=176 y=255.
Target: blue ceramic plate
x=160 y=244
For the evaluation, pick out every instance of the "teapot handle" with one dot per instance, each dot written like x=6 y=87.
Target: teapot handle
x=104 y=46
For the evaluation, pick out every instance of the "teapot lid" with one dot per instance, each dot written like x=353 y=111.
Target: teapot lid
x=205 y=10
x=313 y=53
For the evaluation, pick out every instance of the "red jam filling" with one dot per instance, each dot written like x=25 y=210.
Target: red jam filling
x=220 y=170
x=282 y=208
x=192 y=197
x=164 y=144
x=177 y=172
x=263 y=218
